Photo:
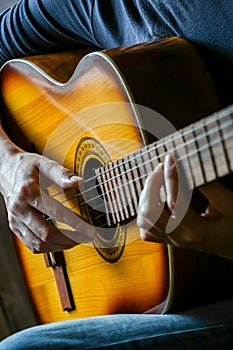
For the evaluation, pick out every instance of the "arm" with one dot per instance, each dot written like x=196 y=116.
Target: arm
x=211 y=231
x=38 y=26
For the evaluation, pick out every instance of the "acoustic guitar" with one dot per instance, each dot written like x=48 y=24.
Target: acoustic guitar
x=111 y=116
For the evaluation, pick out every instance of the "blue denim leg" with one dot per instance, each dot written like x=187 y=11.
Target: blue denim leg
x=209 y=327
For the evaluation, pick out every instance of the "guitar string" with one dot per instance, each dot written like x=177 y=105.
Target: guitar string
x=163 y=142
x=135 y=179
x=196 y=152
x=151 y=160
x=103 y=215
x=193 y=128
x=184 y=144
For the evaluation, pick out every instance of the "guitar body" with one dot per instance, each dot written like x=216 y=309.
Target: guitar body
x=87 y=121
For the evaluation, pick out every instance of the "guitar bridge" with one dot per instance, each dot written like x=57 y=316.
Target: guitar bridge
x=56 y=260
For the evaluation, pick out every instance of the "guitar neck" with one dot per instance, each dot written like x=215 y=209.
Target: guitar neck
x=203 y=150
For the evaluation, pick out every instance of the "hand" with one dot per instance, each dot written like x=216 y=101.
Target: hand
x=27 y=203
x=211 y=231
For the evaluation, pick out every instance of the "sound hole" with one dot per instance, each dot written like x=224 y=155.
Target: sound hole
x=110 y=240
x=96 y=206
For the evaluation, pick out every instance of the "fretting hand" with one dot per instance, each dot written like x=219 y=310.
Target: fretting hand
x=211 y=231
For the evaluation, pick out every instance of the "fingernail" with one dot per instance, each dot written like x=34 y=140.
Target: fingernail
x=168 y=161
x=143 y=233
x=73 y=178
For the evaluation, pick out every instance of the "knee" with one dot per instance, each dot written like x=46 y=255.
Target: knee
x=22 y=340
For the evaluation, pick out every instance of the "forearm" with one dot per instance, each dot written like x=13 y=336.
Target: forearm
x=7 y=150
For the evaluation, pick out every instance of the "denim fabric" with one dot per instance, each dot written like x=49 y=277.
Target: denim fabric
x=209 y=327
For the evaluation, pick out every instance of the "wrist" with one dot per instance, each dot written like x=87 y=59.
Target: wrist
x=7 y=150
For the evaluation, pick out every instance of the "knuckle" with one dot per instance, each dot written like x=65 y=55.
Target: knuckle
x=46 y=236
x=37 y=247
x=54 y=213
x=14 y=208
x=28 y=191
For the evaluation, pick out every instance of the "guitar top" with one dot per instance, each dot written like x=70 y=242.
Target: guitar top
x=97 y=113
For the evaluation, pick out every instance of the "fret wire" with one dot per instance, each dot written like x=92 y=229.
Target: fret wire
x=123 y=195
x=216 y=141
x=113 y=196
x=219 y=140
x=108 y=194
x=137 y=184
x=221 y=157
x=180 y=145
x=188 y=167
x=118 y=201
x=175 y=149
x=129 y=204
x=132 y=184
x=106 y=204
x=211 y=150
x=228 y=143
x=188 y=155
x=206 y=156
x=218 y=115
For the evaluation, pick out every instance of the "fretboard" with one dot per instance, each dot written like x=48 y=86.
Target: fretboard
x=203 y=149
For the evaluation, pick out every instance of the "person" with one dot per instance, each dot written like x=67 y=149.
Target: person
x=41 y=26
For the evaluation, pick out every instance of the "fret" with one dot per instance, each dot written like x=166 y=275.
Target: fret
x=136 y=178
x=227 y=136
x=144 y=164
x=112 y=192
x=160 y=151
x=149 y=159
x=129 y=209
x=152 y=157
x=191 y=147
x=132 y=184
x=117 y=190
x=216 y=146
x=183 y=161
x=122 y=189
x=105 y=194
x=109 y=193
x=204 y=152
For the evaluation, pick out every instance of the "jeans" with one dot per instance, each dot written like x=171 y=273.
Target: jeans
x=208 y=327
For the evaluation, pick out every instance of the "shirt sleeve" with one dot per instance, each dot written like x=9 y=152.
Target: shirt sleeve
x=39 y=26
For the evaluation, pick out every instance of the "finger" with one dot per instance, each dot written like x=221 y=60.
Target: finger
x=150 y=207
x=170 y=181
x=178 y=192
x=57 y=173
x=151 y=236
x=40 y=235
x=38 y=245
x=34 y=227
x=58 y=212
